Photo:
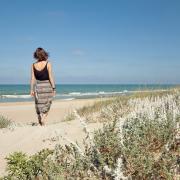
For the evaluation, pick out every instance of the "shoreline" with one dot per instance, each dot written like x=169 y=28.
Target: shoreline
x=104 y=95
x=54 y=101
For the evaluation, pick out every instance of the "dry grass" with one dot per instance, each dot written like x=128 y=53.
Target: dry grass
x=4 y=122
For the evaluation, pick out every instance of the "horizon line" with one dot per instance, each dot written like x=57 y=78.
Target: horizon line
x=100 y=84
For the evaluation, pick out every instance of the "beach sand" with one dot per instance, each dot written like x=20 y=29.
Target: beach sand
x=31 y=139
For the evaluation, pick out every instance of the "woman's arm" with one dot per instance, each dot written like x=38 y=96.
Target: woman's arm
x=51 y=77
x=32 y=81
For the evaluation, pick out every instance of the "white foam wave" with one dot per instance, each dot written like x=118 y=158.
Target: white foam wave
x=16 y=96
x=75 y=93
x=68 y=99
x=93 y=93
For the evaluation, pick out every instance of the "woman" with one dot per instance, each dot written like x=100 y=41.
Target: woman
x=42 y=84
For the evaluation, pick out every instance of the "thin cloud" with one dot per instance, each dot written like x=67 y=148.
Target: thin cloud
x=25 y=39
x=78 y=52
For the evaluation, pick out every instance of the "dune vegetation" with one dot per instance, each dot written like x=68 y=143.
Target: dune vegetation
x=4 y=122
x=139 y=140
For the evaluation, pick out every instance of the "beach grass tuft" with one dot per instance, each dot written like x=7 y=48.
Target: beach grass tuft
x=4 y=122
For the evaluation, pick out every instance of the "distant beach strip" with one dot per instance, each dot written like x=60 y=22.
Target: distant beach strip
x=20 y=93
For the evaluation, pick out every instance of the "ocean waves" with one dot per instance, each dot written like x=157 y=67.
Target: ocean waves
x=64 y=96
x=15 y=96
x=15 y=93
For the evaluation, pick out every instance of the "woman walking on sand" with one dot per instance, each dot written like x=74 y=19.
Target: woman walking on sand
x=42 y=84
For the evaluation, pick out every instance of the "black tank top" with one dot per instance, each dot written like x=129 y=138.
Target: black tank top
x=41 y=75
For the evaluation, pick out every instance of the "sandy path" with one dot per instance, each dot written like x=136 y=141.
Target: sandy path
x=24 y=112
x=30 y=139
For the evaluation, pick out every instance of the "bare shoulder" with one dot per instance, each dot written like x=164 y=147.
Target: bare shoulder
x=49 y=64
x=32 y=65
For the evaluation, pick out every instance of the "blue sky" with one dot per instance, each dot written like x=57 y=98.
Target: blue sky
x=92 y=41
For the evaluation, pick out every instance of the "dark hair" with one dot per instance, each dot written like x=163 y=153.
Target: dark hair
x=40 y=54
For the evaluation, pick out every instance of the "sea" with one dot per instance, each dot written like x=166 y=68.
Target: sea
x=20 y=93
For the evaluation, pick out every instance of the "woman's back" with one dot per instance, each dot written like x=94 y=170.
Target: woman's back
x=40 y=65
x=41 y=70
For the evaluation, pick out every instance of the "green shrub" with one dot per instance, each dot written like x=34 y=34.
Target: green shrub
x=107 y=142
x=144 y=148
x=21 y=166
x=149 y=138
x=17 y=165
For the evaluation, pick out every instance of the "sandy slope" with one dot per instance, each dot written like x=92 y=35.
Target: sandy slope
x=30 y=139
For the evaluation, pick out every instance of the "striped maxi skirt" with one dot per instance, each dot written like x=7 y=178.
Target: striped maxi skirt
x=43 y=96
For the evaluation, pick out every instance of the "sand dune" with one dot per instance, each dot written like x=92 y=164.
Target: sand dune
x=30 y=139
